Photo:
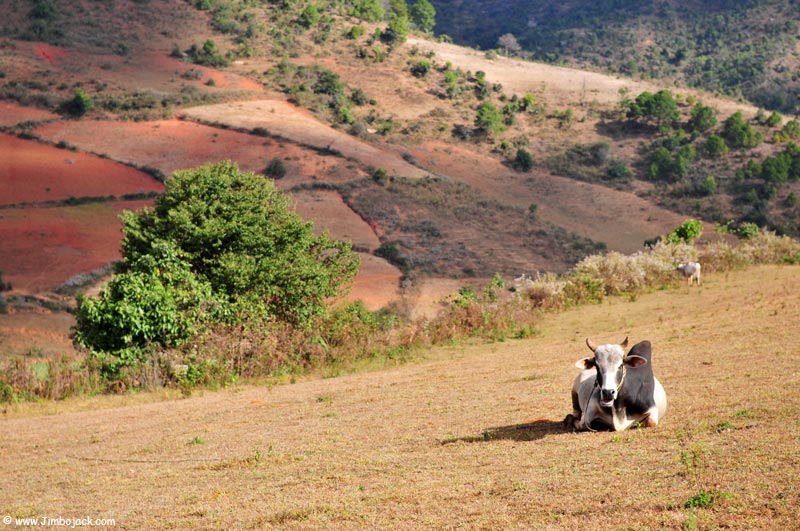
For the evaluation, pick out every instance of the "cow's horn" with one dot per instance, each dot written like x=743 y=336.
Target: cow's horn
x=591 y=345
x=624 y=343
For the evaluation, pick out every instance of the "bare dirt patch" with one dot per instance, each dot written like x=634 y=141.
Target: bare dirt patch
x=282 y=119
x=471 y=437
x=31 y=172
x=43 y=247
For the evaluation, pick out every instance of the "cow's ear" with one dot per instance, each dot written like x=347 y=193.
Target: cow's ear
x=634 y=361
x=585 y=363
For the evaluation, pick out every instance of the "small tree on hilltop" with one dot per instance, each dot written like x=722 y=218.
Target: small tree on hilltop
x=423 y=15
x=509 y=43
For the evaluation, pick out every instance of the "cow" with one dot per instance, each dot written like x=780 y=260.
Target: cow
x=615 y=391
x=690 y=270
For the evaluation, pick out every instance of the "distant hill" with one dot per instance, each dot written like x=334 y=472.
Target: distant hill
x=455 y=162
x=741 y=48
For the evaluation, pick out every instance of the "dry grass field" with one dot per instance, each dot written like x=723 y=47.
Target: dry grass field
x=463 y=437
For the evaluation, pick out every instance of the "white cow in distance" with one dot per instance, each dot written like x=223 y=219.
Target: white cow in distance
x=690 y=270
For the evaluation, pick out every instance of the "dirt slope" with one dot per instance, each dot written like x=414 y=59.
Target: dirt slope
x=469 y=438
x=285 y=120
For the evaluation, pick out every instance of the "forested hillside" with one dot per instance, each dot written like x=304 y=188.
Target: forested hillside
x=740 y=48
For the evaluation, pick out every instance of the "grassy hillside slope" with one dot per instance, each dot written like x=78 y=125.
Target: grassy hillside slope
x=469 y=437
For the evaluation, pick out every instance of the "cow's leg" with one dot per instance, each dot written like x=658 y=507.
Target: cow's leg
x=650 y=419
x=649 y=422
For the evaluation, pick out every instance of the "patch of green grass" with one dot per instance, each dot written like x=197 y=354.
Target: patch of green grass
x=707 y=499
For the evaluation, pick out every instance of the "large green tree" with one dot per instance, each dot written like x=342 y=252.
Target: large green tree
x=220 y=244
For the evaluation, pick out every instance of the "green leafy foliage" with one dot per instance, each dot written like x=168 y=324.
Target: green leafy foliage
x=659 y=108
x=524 y=160
x=687 y=232
x=79 y=105
x=423 y=15
x=739 y=133
x=664 y=167
x=716 y=147
x=369 y=10
x=702 y=119
x=220 y=244
x=309 y=17
x=489 y=119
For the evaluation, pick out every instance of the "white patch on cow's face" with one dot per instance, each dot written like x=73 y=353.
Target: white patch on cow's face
x=608 y=361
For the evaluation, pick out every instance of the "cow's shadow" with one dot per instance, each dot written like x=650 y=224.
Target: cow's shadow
x=529 y=431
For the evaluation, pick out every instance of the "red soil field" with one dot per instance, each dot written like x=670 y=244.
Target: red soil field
x=11 y=114
x=171 y=145
x=31 y=171
x=51 y=55
x=377 y=283
x=43 y=247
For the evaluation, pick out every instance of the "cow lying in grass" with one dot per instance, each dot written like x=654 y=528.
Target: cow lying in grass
x=615 y=391
x=690 y=270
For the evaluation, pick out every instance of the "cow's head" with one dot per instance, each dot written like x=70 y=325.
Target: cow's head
x=610 y=362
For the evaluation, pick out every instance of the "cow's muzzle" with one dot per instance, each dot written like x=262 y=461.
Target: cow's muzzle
x=607 y=397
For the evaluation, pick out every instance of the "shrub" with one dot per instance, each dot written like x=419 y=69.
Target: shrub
x=489 y=120
x=369 y=10
x=524 y=160
x=309 y=16
x=739 y=133
x=79 y=105
x=391 y=252
x=686 y=232
x=355 y=32
x=421 y=68
x=703 y=118
x=716 y=147
x=617 y=170
x=275 y=169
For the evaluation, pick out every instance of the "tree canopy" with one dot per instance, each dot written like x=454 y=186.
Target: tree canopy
x=220 y=244
x=659 y=108
x=423 y=15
